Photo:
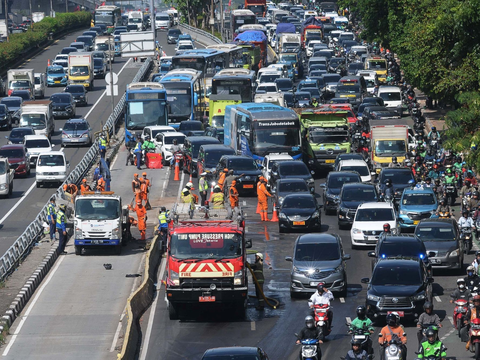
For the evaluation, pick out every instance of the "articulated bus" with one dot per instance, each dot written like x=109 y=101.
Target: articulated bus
x=146 y=105
x=261 y=129
x=241 y=17
x=184 y=90
x=109 y=15
x=233 y=54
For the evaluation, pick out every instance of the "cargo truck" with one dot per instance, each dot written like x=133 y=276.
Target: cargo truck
x=325 y=134
x=218 y=103
x=80 y=69
x=258 y=7
x=21 y=79
x=206 y=260
x=387 y=141
x=39 y=116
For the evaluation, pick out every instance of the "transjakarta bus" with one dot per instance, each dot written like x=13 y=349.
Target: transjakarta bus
x=146 y=105
x=233 y=54
x=261 y=129
x=184 y=89
x=109 y=15
x=241 y=17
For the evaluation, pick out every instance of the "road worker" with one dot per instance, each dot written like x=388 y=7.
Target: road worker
x=233 y=194
x=203 y=187
x=61 y=229
x=52 y=216
x=136 y=187
x=148 y=185
x=141 y=218
x=221 y=178
x=100 y=183
x=218 y=199
x=188 y=197
x=84 y=187
x=71 y=189
x=263 y=196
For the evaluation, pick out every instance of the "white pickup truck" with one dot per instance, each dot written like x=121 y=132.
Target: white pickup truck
x=6 y=178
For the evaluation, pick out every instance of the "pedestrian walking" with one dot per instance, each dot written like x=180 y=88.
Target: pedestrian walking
x=257 y=268
x=61 y=229
x=203 y=188
x=52 y=216
x=233 y=195
x=263 y=196
x=141 y=218
x=147 y=187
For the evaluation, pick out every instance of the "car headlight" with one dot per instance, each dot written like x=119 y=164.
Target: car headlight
x=21 y=163
x=78 y=233
x=297 y=270
x=38 y=173
x=316 y=214
x=339 y=268
x=418 y=297
x=85 y=135
x=68 y=108
x=62 y=173
x=282 y=216
x=115 y=233
x=65 y=136
x=280 y=200
x=454 y=253
x=343 y=210
x=356 y=231
x=373 y=297
x=174 y=278
x=238 y=278
x=3 y=186
x=403 y=212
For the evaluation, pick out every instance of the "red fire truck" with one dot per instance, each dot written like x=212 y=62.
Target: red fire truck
x=206 y=260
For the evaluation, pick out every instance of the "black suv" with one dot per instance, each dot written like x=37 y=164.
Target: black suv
x=400 y=285
x=172 y=35
x=351 y=196
x=291 y=169
x=63 y=105
x=241 y=164
x=191 y=147
x=333 y=186
x=400 y=177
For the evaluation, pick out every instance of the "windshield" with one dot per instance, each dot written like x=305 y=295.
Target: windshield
x=267 y=88
x=191 y=125
x=134 y=21
x=397 y=177
x=11 y=153
x=34 y=120
x=12 y=103
x=145 y=113
x=418 y=199
x=288 y=58
x=299 y=169
x=168 y=140
x=390 y=147
x=75 y=89
x=348 y=89
x=19 y=84
x=185 y=47
x=206 y=246
x=355 y=194
x=396 y=276
x=102 y=47
x=20 y=133
x=242 y=164
x=233 y=87
x=79 y=70
x=317 y=252
x=72 y=126
x=163 y=18
x=293 y=186
x=179 y=100
x=85 y=39
x=362 y=170
x=319 y=137
x=98 y=62
x=269 y=77
x=390 y=96
x=37 y=81
x=51 y=160
x=212 y=157
x=397 y=248
x=374 y=215
x=60 y=99
x=39 y=143
x=377 y=64
x=293 y=202
x=284 y=83
x=435 y=233
x=97 y=209
x=283 y=137
x=336 y=182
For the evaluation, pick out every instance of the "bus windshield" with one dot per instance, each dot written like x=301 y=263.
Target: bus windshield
x=377 y=64
x=188 y=63
x=179 y=99
x=206 y=245
x=104 y=17
x=145 y=113
x=275 y=137
x=233 y=87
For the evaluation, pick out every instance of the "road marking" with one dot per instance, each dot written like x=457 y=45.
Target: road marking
x=252 y=326
x=448 y=334
x=342 y=300
x=165 y=183
x=244 y=203
x=30 y=307
x=21 y=199
x=451 y=320
x=105 y=92
x=348 y=320
x=148 y=334
x=438 y=298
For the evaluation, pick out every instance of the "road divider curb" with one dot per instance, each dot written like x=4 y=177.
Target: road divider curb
x=140 y=300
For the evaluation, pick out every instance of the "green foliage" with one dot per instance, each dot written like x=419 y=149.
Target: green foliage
x=20 y=43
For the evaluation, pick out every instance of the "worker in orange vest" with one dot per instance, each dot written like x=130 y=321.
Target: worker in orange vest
x=141 y=218
x=71 y=189
x=142 y=194
x=100 y=183
x=136 y=186
x=233 y=194
x=221 y=178
x=148 y=185
x=263 y=196
x=84 y=187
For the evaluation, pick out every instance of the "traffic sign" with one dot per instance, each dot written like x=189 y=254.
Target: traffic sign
x=107 y=78
x=115 y=90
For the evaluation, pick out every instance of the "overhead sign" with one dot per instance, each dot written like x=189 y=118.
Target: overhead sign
x=137 y=44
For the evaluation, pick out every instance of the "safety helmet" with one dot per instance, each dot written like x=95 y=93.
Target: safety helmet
x=260 y=255
x=361 y=312
x=309 y=322
x=84 y=180
x=144 y=174
x=386 y=227
x=62 y=207
x=189 y=184
x=225 y=170
x=428 y=305
x=234 y=182
x=393 y=319
x=431 y=335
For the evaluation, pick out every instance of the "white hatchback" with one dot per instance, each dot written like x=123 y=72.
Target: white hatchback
x=359 y=166
x=369 y=221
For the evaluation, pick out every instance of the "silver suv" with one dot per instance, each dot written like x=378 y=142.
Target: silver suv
x=318 y=258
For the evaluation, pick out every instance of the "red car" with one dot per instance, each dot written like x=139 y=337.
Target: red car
x=17 y=158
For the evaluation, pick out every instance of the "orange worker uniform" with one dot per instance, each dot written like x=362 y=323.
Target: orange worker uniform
x=101 y=184
x=84 y=187
x=263 y=196
x=147 y=190
x=221 y=179
x=135 y=184
x=141 y=218
x=233 y=195
x=386 y=334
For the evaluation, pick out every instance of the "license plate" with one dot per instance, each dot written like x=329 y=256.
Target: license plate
x=97 y=241
x=248 y=186
x=400 y=313
x=206 y=298
x=435 y=261
x=313 y=283
x=299 y=223
x=329 y=161
x=415 y=222
x=57 y=82
x=74 y=140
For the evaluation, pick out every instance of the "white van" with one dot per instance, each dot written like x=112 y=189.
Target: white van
x=371 y=79
x=162 y=21
x=392 y=97
x=268 y=75
x=35 y=146
x=51 y=168
x=40 y=83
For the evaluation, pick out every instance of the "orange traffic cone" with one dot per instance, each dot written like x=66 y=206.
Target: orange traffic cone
x=191 y=178
x=258 y=208
x=177 y=171
x=275 y=213
x=48 y=62
x=211 y=193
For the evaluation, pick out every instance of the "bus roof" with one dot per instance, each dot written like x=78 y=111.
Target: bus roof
x=225 y=47
x=200 y=52
x=145 y=85
x=242 y=12
x=267 y=111
x=107 y=8
x=234 y=72
x=181 y=74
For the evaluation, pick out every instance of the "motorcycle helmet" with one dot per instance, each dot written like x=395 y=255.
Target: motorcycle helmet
x=147 y=137
x=428 y=305
x=388 y=182
x=448 y=154
x=386 y=228
x=467 y=183
x=394 y=159
x=461 y=284
x=431 y=335
x=393 y=319
x=459 y=159
x=442 y=202
x=476 y=193
x=309 y=322
x=428 y=180
x=356 y=342
x=477 y=253
x=470 y=271
x=476 y=300
x=362 y=143
x=448 y=171
x=465 y=213
x=434 y=129
x=411 y=183
x=361 y=312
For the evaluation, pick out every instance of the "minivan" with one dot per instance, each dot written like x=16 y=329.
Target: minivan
x=162 y=21
x=392 y=97
x=51 y=168
x=209 y=155
x=352 y=88
x=40 y=83
x=191 y=147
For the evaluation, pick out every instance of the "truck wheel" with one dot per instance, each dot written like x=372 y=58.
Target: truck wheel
x=172 y=311
x=118 y=249
x=78 y=250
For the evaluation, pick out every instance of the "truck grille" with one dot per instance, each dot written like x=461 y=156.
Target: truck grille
x=328 y=153
x=95 y=235
x=387 y=302
x=220 y=283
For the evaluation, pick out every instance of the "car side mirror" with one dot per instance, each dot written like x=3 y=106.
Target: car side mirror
x=248 y=243
x=289 y=258
x=346 y=257
x=274 y=173
x=68 y=163
x=365 y=280
x=372 y=254
x=323 y=185
x=373 y=173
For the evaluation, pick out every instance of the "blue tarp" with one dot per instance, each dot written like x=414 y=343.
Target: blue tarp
x=311 y=21
x=251 y=36
x=285 y=28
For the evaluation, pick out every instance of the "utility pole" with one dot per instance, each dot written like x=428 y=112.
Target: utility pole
x=66 y=6
x=31 y=12
x=51 y=8
x=110 y=56
x=212 y=20
x=6 y=20
x=221 y=21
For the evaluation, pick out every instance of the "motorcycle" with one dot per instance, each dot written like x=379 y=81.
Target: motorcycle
x=435 y=356
x=309 y=349
x=444 y=215
x=178 y=155
x=466 y=198
x=474 y=336
x=393 y=351
x=434 y=144
x=461 y=308
x=362 y=334
x=450 y=194
x=131 y=152
x=321 y=319
x=466 y=237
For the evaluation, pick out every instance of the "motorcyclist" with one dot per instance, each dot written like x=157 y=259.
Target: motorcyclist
x=449 y=160
x=425 y=319
x=310 y=331
x=356 y=352
x=362 y=147
x=472 y=280
x=363 y=322
x=470 y=177
x=392 y=331
x=433 y=134
x=465 y=221
x=174 y=149
x=428 y=183
x=433 y=172
x=473 y=202
x=458 y=164
x=430 y=156
x=449 y=178
x=394 y=162
x=461 y=292
x=314 y=102
x=320 y=297
x=148 y=145
x=388 y=190
x=476 y=262
x=432 y=346
x=472 y=313
x=443 y=208
x=439 y=189
x=466 y=189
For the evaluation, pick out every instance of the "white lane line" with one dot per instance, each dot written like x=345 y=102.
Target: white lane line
x=119 y=326
x=165 y=183
x=20 y=200
x=448 y=334
x=143 y=354
x=244 y=203
x=451 y=320
x=342 y=300
x=30 y=307
x=438 y=298
x=105 y=92
x=253 y=326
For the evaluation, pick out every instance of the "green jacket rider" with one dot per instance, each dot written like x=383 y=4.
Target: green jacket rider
x=433 y=346
x=362 y=321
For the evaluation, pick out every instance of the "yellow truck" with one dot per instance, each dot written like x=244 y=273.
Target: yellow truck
x=388 y=141
x=379 y=65
x=80 y=69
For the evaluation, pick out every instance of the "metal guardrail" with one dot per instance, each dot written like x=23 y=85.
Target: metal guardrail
x=202 y=33
x=20 y=247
